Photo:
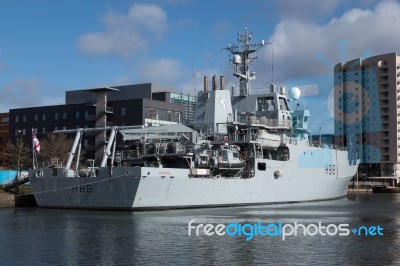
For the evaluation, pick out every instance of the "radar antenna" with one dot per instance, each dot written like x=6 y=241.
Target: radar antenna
x=241 y=59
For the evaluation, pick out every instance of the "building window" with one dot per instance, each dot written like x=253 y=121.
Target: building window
x=152 y=113
x=177 y=117
x=35 y=117
x=24 y=131
x=43 y=117
x=65 y=115
x=16 y=119
x=5 y=120
x=123 y=111
x=55 y=128
x=43 y=130
x=56 y=116
x=24 y=118
x=77 y=115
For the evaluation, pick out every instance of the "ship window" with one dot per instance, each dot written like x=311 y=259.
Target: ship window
x=262 y=166
x=283 y=104
x=225 y=156
x=235 y=155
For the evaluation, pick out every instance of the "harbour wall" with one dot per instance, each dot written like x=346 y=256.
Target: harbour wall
x=6 y=200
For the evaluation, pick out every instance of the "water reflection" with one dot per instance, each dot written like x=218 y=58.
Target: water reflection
x=43 y=236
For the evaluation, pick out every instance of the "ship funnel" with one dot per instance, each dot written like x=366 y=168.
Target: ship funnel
x=205 y=83
x=282 y=90
x=214 y=83
x=272 y=88
x=221 y=79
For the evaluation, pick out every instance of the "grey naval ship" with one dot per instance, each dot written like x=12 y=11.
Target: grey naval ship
x=241 y=150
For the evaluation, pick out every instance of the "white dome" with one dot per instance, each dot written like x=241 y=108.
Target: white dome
x=237 y=59
x=295 y=93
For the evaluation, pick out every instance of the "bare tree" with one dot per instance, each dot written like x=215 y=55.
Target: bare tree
x=17 y=156
x=55 y=146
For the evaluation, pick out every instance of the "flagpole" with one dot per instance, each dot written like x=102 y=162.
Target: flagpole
x=33 y=151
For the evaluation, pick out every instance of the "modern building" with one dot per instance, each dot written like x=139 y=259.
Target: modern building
x=4 y=124
x=367 y=112
x=123 y=106
x=188 y=102
x=155 y=92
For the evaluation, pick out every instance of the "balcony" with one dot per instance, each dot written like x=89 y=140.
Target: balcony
x=384 y=95
x=109 y=110
x=384 y=103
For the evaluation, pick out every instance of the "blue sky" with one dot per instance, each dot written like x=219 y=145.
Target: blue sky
x=48 y=47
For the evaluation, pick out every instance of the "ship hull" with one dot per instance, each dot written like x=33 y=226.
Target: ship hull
x=308 y=175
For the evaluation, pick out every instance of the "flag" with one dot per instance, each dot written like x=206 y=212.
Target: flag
x=35 y=143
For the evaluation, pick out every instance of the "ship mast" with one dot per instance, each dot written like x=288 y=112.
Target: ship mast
x=241 y=59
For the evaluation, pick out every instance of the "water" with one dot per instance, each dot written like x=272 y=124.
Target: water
x=33 y=236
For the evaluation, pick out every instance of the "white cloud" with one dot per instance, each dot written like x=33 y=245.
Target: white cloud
x=164 y=70
x=23 y=92
x=307 y=50
x=306 y=9
x=299 y=43
x=126 y=34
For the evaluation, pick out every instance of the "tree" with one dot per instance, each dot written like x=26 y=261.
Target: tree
x=55 y=146
x=17 y=156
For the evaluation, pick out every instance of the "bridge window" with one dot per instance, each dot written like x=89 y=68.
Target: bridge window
x=283 y=104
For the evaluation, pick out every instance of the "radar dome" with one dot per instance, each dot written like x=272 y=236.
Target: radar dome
x=237 y=59
x=295 y=93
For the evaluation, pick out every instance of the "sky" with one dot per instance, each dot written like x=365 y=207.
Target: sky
x=48 y=47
